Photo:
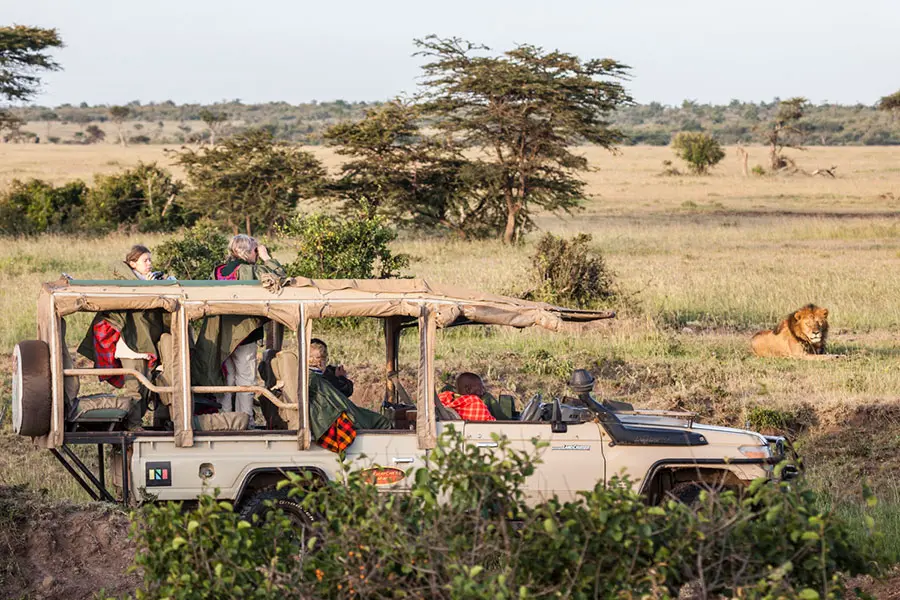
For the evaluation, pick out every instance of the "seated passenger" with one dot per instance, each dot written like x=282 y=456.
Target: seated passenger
x=468 y=401
x=129 y=339
x=335 y=375
x=334 y=419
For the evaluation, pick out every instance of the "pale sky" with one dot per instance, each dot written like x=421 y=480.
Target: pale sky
x=297 y=51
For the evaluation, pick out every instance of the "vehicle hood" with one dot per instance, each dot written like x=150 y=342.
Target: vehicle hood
x=711 y=431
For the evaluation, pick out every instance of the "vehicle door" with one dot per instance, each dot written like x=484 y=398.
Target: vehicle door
x=571 y=461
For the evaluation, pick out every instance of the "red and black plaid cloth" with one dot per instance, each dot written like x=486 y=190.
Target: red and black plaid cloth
x=340 y=435
x=106 y=336
x=469 y=407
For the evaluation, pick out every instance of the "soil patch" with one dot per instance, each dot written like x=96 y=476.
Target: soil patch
x=65 y=551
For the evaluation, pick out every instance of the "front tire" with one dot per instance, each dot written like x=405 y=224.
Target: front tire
x=269 y=500
x=688 y=492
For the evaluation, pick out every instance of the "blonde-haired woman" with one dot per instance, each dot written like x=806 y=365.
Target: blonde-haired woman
x=228 y=343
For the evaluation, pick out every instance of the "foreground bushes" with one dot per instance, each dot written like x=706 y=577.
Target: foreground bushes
x=482 y=541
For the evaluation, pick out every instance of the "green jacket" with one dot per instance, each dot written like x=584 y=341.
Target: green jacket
x=326 y=404
x=141 y=329
x=220 y=335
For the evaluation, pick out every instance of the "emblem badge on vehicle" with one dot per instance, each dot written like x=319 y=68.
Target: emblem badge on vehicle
x=572 y=447
x=159 y=474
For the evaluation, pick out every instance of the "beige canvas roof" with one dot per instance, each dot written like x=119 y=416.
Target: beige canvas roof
x=321 y=298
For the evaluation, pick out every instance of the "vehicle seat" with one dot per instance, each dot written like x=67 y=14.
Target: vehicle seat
x=223 y=421
x=284 y=368
x=99 y=411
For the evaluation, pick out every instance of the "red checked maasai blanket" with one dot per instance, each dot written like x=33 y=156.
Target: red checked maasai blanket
x=469 y=407
x=106 y=336
x=340 y=435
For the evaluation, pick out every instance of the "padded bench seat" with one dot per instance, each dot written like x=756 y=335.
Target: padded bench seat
x=87 y=412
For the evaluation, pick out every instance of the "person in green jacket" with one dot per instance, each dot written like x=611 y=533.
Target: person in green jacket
x=129 y=338
x=228 y=342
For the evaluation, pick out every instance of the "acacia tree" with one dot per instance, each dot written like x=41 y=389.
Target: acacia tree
x=783 y=131
x=214 y=121
x=890 y=104
x=23 y=54
x=118 y=114
x=395 y=169
x=249 y=179
x=522 y=111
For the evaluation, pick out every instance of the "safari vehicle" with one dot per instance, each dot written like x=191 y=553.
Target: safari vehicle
x=662 y=452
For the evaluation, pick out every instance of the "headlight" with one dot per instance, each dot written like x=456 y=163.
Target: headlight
x=755 y=451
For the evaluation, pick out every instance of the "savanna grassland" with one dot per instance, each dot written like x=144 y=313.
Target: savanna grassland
x=701 y=263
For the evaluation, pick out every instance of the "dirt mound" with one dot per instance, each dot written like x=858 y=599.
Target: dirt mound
x=60 y=550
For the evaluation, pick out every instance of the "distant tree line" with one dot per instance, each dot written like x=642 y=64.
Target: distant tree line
x=651 y=124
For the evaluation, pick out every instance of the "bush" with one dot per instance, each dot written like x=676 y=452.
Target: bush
x=145 y=197
x=37 y=206
x=699 y=150
x=570 y=272
x=331 y=248
x=758 y=170
x=194 y=255
x=465 y=531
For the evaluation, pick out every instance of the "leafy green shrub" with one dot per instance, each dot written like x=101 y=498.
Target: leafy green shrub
x=355 y=248
x=465 y=530
x=37 y=206
x=145 y=197
x=570 y=272
x=699 y=150
x=208 y=552
x=758 y=170
x=194 y=255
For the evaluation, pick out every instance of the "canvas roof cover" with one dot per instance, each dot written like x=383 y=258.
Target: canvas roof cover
x=323 y=297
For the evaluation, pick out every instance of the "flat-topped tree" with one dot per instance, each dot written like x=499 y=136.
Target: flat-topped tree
x=523 y=110
x=118 y=114
x=890 y=103
x=214 y=120
x=249 y=180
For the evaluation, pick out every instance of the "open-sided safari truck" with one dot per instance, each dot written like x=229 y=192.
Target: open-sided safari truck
x=662 y=452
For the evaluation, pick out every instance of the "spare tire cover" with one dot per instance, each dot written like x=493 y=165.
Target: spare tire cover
x=31 y=385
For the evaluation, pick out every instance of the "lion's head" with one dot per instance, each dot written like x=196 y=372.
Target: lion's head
x=810 y=326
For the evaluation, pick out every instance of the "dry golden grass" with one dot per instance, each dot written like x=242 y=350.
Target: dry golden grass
x=705 y=260
x=59 y=164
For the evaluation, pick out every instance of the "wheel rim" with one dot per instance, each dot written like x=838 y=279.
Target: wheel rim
x=17 y=390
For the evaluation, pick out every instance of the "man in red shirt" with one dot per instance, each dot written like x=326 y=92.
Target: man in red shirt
x=467 y=400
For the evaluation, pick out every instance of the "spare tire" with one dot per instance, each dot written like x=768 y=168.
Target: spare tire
x=31 y=396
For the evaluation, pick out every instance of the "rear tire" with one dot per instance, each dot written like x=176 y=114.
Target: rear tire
x=269 y=500
x=31 y=389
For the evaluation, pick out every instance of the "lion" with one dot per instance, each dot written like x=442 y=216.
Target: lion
x=800 y=335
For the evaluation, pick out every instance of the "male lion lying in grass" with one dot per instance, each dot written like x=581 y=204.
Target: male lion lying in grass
x=800 y=335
